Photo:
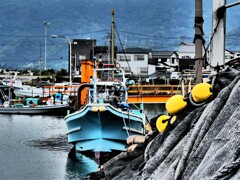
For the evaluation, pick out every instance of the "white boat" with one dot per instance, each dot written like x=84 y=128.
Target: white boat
x=12 y=82
x=28 y=91
x=22 y=90
x=46 y=90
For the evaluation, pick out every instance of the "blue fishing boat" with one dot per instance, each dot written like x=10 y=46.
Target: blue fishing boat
x=104 y=123
x=105 y=120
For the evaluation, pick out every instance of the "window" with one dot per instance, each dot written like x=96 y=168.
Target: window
x=124 y=58
x=144 y=70
x=138 y=57
x=228 y=57
x=186 y=57
x=191 y=66
x=163 y=59
x=173 y=60
x=82 y=57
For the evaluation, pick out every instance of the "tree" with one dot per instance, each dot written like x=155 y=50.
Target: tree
x=61 y=72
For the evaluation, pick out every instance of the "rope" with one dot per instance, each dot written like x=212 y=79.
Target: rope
x=3 y=95
x=213 y=81
x=122 y=48
x=179 y=84
x=192 y=101
x=200 y=104
x=214 y=31
x=129 y=125
x=228 y=170
x=126 y=126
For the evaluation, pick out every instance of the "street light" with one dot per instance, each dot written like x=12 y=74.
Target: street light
x=70 y=55
x=46 y=25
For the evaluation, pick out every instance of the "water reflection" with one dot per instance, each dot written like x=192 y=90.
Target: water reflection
x=56 y=143
x=79 y=166
x=36 y=147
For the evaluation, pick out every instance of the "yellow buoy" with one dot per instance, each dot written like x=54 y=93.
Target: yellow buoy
x=201 y=92
x=175 y=104
x=148 y=127
x=102 y=108
x=161 y=123
x=94 y=109
x=173 y=119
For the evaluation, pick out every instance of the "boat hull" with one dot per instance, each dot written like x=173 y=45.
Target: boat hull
x=102 y=128
x=48 y=110
x=28 y=91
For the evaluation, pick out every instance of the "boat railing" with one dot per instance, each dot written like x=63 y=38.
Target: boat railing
x=70 y=90
x=155 y=90
x=132 y=89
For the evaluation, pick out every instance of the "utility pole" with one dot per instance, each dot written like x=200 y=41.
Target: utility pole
x=198 y=40
x=46 y=25
x=219 y=30
x=70 y=55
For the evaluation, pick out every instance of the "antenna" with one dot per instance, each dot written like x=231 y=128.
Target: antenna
x=40 y=61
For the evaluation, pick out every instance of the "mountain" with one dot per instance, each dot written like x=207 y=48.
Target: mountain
x=155 y=24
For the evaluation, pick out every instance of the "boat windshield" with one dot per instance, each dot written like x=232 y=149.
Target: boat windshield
x=109 y=85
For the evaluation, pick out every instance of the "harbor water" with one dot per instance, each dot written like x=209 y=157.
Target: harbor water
x=35 y=147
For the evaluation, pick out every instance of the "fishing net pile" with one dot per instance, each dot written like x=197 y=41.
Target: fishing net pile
x=202 y=143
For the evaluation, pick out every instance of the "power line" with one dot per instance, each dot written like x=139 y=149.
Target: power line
x=41 y=36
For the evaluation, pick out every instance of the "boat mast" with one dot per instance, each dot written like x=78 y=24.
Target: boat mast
x=94 y=86
x=198 y=40
x=112 y=41
x=40 y=74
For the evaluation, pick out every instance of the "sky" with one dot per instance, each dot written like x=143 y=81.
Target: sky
x=155 y=24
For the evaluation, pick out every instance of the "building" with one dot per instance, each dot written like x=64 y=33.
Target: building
x=186 y=51
x=103 y=53
x=186 y=54
x=165 y=60
x=136 y=61
x=139 y=62
x=236 y=54
x=82 y=49
x=229 y=55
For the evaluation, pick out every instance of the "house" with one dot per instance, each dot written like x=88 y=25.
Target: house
x=165 y=60
x=236 y=54
x=136 y=61
x=186 y=54
x=228 y=55
x=186 y=51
